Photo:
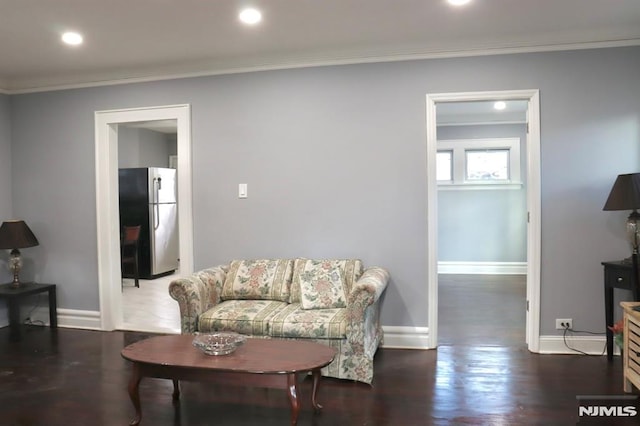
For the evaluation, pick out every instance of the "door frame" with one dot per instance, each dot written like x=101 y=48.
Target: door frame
x=107 y=216
x=533 y=206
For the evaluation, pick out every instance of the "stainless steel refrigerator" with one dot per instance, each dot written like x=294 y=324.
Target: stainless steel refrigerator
x=148 y=197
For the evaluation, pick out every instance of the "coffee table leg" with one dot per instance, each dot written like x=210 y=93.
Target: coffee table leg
x=292 y=389
x=314 y=391
x=134 y=394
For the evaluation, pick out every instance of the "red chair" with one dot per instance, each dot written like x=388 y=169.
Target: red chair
x=129 y=250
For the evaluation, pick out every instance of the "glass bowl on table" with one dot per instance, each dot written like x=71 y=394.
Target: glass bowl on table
x=218 y=343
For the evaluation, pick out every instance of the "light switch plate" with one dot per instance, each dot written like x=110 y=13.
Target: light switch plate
x=242 y=190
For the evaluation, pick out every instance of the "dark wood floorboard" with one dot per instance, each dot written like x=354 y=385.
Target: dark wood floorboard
x=78 y=377
x=482 y=309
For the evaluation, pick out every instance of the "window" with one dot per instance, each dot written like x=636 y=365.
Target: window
x=444 y=166
x=490 y=164
x=478 y=163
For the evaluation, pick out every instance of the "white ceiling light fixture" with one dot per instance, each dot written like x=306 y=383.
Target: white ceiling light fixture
x=250 y=16
x=500 y=105
x=458 y=2
x=72 y=38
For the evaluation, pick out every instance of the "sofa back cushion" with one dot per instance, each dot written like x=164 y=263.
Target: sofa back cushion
x=340 y=272
x=261 y=279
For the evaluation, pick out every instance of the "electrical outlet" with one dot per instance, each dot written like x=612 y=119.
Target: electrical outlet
x=562 y=323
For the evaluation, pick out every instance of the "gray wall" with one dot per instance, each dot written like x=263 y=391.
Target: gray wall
x=144 y=147
x=335 y=161
x=483 y=225
x=6 y=211
x=172 y=142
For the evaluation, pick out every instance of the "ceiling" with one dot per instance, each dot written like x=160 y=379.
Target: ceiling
x=140 y=40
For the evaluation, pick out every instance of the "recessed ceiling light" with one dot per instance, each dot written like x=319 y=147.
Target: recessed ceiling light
x=458 y=2
x=250 y=16
x=72 y=38
x=500 y=105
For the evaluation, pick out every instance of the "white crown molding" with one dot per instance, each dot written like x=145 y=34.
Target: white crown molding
x=84 y=81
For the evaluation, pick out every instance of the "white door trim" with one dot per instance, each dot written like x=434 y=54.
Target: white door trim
x=533 y=206
x=107 y=216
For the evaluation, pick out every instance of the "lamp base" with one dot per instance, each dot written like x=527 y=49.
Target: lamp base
x=15 y=265
x=633 y=259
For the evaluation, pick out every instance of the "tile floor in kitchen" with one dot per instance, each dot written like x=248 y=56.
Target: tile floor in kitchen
x=149 y=307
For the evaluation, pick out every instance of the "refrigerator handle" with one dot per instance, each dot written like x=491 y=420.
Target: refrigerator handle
x=156 y=206
x=156 y=218
x=156 y=194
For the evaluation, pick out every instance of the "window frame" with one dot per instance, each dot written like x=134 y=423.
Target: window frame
x=459 y=148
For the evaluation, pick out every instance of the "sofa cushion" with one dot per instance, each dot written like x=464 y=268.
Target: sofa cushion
x=251 y=317
x=295 y=322
x=322 y=284
x=352 y=270
x=263 y=279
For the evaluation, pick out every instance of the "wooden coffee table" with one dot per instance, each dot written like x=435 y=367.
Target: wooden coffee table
x=259 y=362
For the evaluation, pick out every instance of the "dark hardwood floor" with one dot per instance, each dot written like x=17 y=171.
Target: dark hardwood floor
x=77 y=377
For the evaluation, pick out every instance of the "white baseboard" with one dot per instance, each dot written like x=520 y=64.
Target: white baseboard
x=394 y=337
x=69 y=318
x=592 y=345
x=418 y=337
x=397 y=337
x=406 y=337
x=486 y=268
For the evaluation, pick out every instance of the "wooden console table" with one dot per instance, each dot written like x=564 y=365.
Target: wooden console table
x=631 y=350
x=14 y=295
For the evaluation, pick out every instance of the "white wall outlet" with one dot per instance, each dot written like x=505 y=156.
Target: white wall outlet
x=242 y=190
x=562 y=323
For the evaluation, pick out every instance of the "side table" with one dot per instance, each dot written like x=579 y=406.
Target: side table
x=617 y=274
x=13 y=296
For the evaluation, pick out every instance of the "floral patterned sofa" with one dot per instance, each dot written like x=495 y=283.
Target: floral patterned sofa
x=333 y=302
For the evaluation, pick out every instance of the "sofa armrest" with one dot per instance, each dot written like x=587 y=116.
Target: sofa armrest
x=368 y=289
x=363 y=325
x=196 y=294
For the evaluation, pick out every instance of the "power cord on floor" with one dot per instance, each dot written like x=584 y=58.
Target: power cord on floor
x=28 y=320
x=571 y=330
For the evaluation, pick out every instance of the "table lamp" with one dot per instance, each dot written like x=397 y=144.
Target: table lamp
x=625 y=195
x=14 y=235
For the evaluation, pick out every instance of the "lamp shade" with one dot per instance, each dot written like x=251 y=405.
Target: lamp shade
x=15 y=234
x=625 y=193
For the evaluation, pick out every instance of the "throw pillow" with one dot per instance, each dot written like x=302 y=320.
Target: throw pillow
x=322 y=284
x=266 y=279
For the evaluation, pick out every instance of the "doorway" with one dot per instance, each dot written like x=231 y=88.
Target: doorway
x=109 y=272
x=145 y=149
x=531 y=170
